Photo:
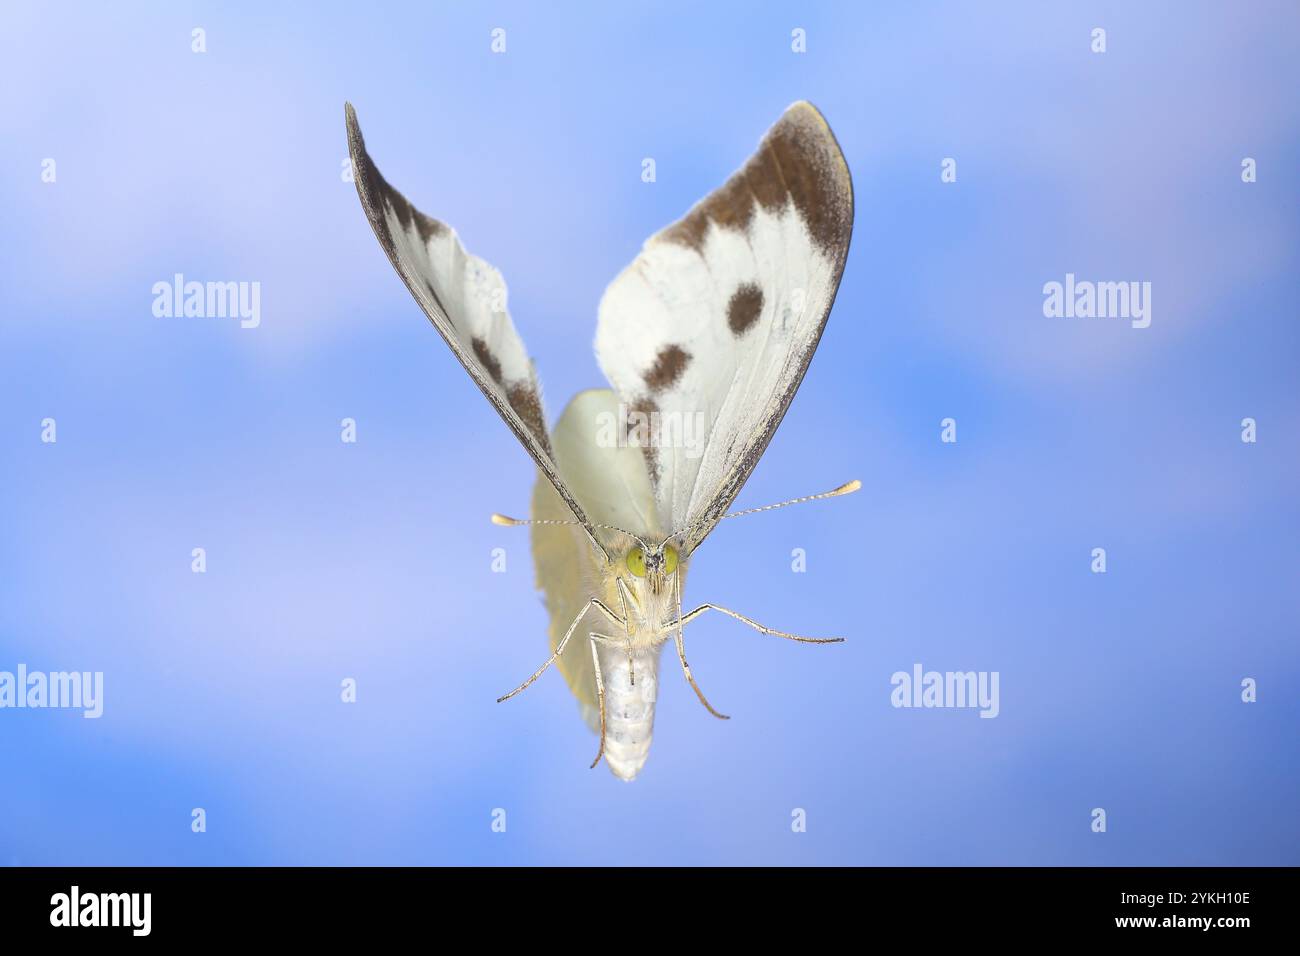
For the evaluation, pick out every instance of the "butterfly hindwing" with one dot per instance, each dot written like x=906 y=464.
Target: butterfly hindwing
x=707 y=334
x=610 y=482
x=465 y=299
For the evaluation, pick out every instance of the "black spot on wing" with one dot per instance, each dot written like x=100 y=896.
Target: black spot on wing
x=644 y=411
x=523 y=398
x=669 y=365
x=744 y=308
x=487 y=359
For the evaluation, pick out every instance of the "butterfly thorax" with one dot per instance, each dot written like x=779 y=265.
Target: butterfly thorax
x=650 y=602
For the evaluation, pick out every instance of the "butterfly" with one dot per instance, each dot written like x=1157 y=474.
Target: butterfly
x=705 y=339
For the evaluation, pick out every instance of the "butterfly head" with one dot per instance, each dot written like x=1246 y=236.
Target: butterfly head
x=655 y=565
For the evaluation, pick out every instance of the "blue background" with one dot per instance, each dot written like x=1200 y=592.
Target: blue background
x=372 y=561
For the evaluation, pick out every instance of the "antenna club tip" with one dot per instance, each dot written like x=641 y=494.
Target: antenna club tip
x=503 y=520
x=849 y=488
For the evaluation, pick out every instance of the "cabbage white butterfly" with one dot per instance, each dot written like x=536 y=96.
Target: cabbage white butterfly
x=704 y=338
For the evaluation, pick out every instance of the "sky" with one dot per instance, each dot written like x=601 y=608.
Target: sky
x=372 y=561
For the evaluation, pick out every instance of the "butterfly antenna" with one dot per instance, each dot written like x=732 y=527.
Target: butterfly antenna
x=845 y=489
x=508 y=522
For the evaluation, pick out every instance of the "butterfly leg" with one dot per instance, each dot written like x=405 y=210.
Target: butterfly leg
x=626 y=597
x=761 y=628
x=681 y=651
x=600 y=686
x=686 y=669
x=564 y=641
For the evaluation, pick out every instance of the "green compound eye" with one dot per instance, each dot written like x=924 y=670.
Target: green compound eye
x=670 y=559
x=636 y=562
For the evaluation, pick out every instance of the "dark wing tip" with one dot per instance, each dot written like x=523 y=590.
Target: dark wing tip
x=824 y=192
x=798 y=161
x=372 y=190
x=361 y=164
x=355 y=143
x=376 y=192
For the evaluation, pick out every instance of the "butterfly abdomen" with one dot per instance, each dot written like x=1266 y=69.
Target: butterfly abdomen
x=629 y=707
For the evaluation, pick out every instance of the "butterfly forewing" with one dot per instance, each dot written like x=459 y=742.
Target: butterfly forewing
x=707 y=334
x=465 y=299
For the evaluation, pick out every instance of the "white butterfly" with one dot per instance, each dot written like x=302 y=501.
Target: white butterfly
x=705 y=338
